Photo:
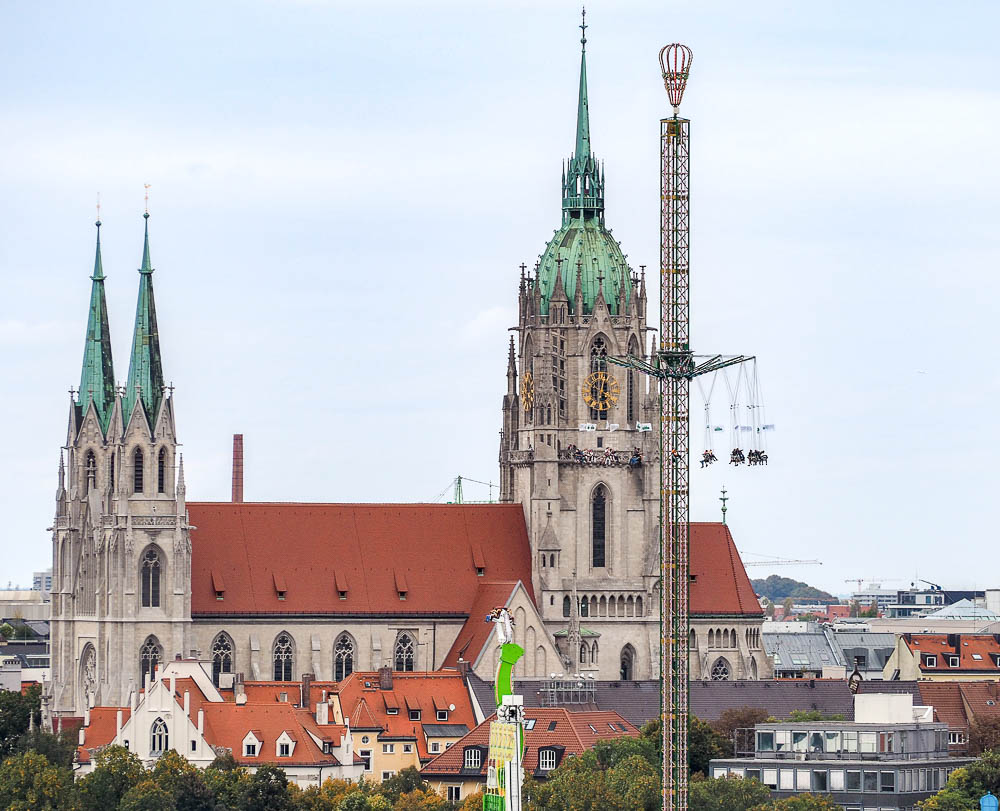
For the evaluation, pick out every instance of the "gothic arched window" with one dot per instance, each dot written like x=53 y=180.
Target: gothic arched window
x=283 y=655
x=343 y=658
x=91 y=470
x=567 y=604
x=584 y=607
x=720 y=670
x=630 y=384
x=149 y=577
x=692 y=640
x=159 y=739
x=222 y=656
x=599 y=363
x=137 y=460
x=627 y=671
x=598 y=508
x=593 y=653
x=584 y=651
x=161 y=471
x=403 y=654
x=150 y=655
x=88 y=673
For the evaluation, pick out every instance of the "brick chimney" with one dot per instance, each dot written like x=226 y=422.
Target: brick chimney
x=307 y=680
x=237 y=468
x=385 y=677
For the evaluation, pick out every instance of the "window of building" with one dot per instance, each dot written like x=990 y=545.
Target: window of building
x=546 y=759
x=529 y=724
x=366 y=758
x=566 y=606
x=407 y=748
x=599 y=363
x=343 y=658
x=930 y=661
x=869 y=781
x=953 y=661
x=598 y=526
x=284 y=750
x=159 y=740
x=956 y=737
x=627 y=670
x=161 y=471
x=414 y=715
x=770 y=778
x=836 y=780
x=887 y=782
x=137 y=462
x=442 y=715
x=720 y=670
x=435 y=746
x=392 y=710
x=977 y=656
x=388 y=748
x=222 y=657
x=149 y=657
x=473 y=758
x=250 y=750
x=819 y=781
x=194 y=746
x=386 y=775
x=150 y=577
x=765 y=741
x=403 y=657
x=454 y=794
x=282 y=655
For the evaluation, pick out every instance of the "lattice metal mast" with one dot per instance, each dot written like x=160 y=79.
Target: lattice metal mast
x=675 y=365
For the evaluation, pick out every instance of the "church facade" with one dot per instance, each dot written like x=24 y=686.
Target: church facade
x=142 y=576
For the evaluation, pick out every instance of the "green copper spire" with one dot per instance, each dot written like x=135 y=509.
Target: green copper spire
x=145 y=371
x=582 y=110
x=97 y=379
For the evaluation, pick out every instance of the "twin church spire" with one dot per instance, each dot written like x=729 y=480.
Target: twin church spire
x=145 y=374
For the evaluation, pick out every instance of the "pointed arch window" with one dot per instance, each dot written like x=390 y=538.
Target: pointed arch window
x=159 y=738
x=137 y=460
x=598 y=510
x=222 y=657
x=627 y=670
x=150 y=655
x=111 y=461
x=630 y=384
x=149 y=576
x=583 y=653
x=584 y=607
x=283 y=655
x=161 y=471
x=91 y=471
x=343 y=658
x=599 y=363
x=403 y=654
x=593 y=653
x=720 y=670
x=567 y=604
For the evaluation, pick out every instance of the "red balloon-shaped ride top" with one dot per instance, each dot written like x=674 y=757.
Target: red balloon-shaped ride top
x=675 y=62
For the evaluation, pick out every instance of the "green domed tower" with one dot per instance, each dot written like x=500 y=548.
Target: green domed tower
x=577 y=450
x=583 y=248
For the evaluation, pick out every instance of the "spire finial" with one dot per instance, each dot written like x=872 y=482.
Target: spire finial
x=724 y=499
x=98 y=223
x=583 y=27
x=146 y=187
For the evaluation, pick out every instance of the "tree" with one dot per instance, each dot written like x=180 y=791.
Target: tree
x=116 y=771
x=802 y=802
x=787 y=604
x=727 y=794
x=738 y=718
x=636 y=783
x=966 y=785
x=984 y=735
x=59 y=748
x=420 y=800
x=705 y=744
x=28 y=782
x=474 y=802
x=267 y=790
x=183 y=782
x=406 y=781
x=227 y=781
x=769 y=610
x=147 y=796
x=15 y=716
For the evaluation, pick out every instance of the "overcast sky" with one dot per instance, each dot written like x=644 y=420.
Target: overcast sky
x=342 y=192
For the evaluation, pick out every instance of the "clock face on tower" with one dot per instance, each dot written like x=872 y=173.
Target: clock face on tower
x=600 y=391
x=527 y=393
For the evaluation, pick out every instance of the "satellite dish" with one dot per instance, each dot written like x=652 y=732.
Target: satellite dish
x=451 y=708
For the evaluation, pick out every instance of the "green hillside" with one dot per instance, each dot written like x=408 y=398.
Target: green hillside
x=777 y=588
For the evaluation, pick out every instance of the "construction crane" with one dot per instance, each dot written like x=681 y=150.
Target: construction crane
x=458 y=496
x=873 y=582
x=780 y=562
x=675 y=365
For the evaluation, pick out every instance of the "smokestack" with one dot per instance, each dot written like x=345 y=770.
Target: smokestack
x=237 y=468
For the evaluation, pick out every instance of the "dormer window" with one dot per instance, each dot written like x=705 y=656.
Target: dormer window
x=401 y=587
x=392 y=710
x=931 y=661
x=252 y=744
x=953 y=661
x=546 y=759
x=442 y=715
x=473 y=758
x=280 y=587
x=340 y=581
x=414 y=715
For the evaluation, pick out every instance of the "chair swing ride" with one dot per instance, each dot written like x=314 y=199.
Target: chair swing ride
x=748 y=424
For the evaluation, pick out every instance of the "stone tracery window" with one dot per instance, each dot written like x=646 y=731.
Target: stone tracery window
x=598 y=528
x=343 y=658
x=137 y=461
x=720 y=670
x=150 y=578
x=404 y=653
x=150 y=655
x=598 y=363
x=283 y=655
x=91 y=471
x=161 y=471
x=627 y=671
x=159 y=738
x=222 y=656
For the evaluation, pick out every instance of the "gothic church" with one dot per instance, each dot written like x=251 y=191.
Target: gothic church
x=275 y=590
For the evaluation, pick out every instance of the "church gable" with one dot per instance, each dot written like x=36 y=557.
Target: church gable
x=417 y=559
x=719 y=582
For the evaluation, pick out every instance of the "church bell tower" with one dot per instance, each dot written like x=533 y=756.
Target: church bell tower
x=576 y=448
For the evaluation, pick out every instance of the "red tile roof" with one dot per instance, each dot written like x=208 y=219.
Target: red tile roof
x=370 y=548
x=946 y=699
x=365 y=703
x=975 y=652
x=719 y=582
x=471 y=639
x=575 y=731
x=102 y=730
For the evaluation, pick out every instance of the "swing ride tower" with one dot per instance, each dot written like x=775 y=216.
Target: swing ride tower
x=674 y=364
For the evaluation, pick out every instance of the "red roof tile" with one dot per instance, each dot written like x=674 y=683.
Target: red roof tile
x=975 y=652
x=102 y=730
x=575 y=731
x=719 y=582
x=314 y=548
x=946 y=699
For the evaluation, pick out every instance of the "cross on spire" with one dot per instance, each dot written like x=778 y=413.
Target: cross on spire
x=583 y=27
x=724 y=498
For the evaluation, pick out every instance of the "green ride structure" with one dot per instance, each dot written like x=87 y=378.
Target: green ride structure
x=505 y=774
